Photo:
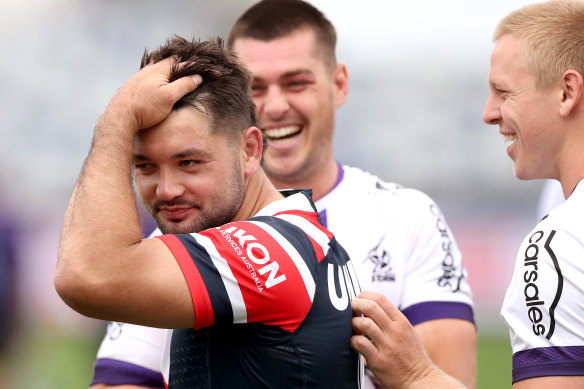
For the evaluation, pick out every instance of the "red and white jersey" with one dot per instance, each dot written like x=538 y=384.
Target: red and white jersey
x=272 y=304
x=544 y=303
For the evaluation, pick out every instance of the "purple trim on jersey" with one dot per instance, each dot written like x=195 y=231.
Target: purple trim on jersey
x=113 y=372
x=340 y=176
x=322 y=215
x=548 y=361
x=432 y=310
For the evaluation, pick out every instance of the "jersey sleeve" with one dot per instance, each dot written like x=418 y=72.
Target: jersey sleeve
x=247 y=272
x=436 y=282
x=130 y=355
x=544 y=305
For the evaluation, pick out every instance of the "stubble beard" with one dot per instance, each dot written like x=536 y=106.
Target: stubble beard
x=215 y=212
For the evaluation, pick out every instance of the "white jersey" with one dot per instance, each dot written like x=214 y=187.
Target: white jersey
x=544 y=304
x=551 y=196
x=399 y=244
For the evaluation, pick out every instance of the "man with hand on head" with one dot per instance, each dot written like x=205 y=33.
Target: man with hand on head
x=537 y=100
x=396 y=237
x=257 y=290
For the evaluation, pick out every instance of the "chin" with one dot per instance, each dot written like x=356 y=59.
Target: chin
x=170 y=227
x=526 y=176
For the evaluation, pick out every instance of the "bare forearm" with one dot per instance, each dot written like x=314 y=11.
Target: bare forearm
x=437 y=379
x=102 y=207
x=101 y=216
x=454 y=349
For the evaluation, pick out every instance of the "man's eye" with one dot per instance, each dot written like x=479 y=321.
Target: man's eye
x=297 y=84
x=189 y=163
x=257 y=89
x=142 y=166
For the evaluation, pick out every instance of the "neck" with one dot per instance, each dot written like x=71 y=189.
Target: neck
x=322 y=181
x=259 y=193
x=571 y=163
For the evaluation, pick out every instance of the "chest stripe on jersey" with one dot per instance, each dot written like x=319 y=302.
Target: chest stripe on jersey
x=294 y=255
x=316 y=234
x=203 y=308
x=229 y=281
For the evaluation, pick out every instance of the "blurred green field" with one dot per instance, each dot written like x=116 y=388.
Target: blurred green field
x=494 y=361
x=61 y=361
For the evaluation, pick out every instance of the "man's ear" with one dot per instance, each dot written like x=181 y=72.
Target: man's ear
x=252 y=150
x=341 y=83
x=571 y=84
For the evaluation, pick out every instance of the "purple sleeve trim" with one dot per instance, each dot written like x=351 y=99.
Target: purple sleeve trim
x=432 y=310
x=114 y=372
x=548 y=361
x=340 y=176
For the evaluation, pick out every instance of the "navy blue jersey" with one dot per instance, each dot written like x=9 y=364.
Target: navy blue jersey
x=272 y=304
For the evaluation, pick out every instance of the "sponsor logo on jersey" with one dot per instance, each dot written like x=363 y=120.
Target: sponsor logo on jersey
x=534 y=302
x=344 y=280
x=382 y=271
x=452 y=275
x=246 y=246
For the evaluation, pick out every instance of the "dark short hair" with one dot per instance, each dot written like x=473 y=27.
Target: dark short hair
x=272 y=19
x=224 y=96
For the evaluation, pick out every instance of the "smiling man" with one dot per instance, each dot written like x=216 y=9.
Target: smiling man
x=536 y=81
x=397 y=238
x=256 y=289
x=536 y=100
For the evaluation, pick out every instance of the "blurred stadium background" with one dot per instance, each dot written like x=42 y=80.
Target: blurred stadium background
x=418 y=83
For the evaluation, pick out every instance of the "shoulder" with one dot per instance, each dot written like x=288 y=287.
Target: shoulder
x=363 y=199
x=367 y=183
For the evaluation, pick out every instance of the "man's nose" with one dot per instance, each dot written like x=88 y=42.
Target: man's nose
x=276 y=103
x=492 y=111
x=169 y=186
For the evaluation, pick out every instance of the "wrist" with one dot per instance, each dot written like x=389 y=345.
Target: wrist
x=434 y=377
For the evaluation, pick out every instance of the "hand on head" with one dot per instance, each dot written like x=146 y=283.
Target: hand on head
x=147 y=98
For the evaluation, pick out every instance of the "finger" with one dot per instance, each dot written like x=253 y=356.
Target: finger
x=388 y=308
x=372 y=310
x=182 y=86
x=363 y=346
x=370 y=329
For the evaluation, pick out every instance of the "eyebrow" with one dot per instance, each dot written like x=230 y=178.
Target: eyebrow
x=192 y=152
x=292 y=73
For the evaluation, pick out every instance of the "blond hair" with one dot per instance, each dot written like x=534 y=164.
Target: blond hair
x=554 y=34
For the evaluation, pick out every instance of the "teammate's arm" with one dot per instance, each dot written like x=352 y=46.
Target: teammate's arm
x=392 y=348
x=435 y=266
x=452 y=346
